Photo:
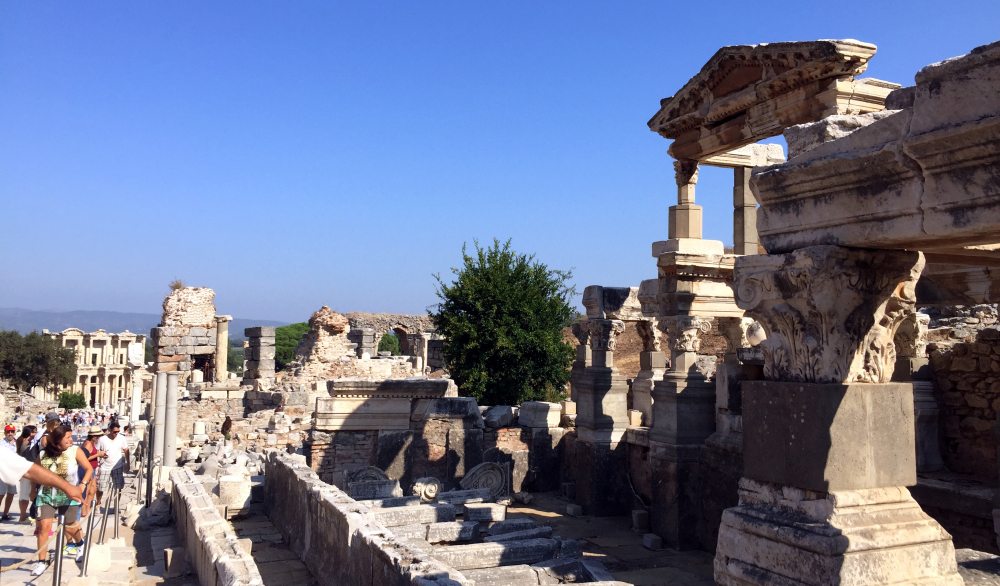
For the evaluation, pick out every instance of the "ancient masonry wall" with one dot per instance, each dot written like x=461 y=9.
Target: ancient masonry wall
x=336 y=537
x=211 y=544
x=968 y=386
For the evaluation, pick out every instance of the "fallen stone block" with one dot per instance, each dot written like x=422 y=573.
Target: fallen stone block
x=520 y=575
x=574 y=510
x=454 y=531
x=511 y=525
x=499 y=416
x=397 y=501
x=484 y=512
x=652 y=541
x=539 y=531
x=460 y=497
x=539 y=414
x=561 y=570
x=395 y=516
x=488 y=555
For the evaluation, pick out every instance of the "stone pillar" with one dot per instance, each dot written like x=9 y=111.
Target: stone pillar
x=135 y=407
x=828 y=440
x=601 y=421
x=159 y=412
x=652 y=366
x=170 y=422
x=683 y=416
x=222 y=347
x=685 y=217
x=913 y=367
x=259 y=354
x=584 y=356
x=744 y=213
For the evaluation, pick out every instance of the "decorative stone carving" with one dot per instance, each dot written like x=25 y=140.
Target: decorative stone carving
x=604 y=333
x=747 y=93
x=489 y=475
x=612 y=302
x=736 y=332
x=911 y=336
x=686 y=176
x=684 y=332
x=581 y=331
x=831 y=312
x=650 y=334
x=427 y=488
x=367 y=474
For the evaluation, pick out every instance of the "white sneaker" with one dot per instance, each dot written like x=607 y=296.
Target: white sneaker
x=39 y=568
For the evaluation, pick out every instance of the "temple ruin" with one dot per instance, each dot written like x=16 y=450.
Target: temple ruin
x=816 y=407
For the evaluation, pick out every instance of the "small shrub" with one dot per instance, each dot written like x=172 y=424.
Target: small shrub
x=389 y=343
x=68 y=400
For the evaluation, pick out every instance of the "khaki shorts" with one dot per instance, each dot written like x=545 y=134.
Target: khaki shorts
x=71 y=513
x=8 y=489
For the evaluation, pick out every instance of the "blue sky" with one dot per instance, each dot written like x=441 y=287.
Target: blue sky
x=295 y=154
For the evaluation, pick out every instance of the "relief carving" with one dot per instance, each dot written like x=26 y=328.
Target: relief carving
x=650 y=334
x=831 y=313
x=684 y=332
x=604 y=333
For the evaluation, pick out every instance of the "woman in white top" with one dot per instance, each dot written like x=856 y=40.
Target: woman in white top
x=66 y=460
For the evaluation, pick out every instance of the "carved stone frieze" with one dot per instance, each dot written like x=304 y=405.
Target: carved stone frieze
x=831 y=313
x=604 y=333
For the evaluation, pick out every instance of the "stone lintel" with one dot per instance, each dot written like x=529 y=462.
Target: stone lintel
x=691 y=246
x=828 y=437
x=751 y=155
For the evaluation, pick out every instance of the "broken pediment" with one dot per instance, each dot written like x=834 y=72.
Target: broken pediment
x=747 y=93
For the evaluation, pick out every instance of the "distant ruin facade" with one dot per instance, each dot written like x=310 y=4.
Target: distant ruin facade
x=108 y=365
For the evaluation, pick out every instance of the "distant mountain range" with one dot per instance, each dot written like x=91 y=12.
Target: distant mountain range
x=27 y=320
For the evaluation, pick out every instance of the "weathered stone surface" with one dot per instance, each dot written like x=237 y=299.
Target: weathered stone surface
x=492 y=476
x=848 y=537
x=461 y=497
x=436 y=513
x=829 y=437
x=484 y=512
x=831 y=313
x=488 y=555
x=538 y=414
x=539 y=531
x=499 y=416
x=616 y=303
x=923 y=178
x=805 y=137
x=451 y=532
x=747 y=93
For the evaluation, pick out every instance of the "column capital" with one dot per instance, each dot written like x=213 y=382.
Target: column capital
x=830 y=312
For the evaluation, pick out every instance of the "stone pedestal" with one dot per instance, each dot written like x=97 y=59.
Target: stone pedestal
x=599 y=454
x=828 y=443
x=652 y=366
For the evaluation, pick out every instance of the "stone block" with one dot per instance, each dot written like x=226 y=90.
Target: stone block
x=537 y=531
x=512 y=525
x=499 y=416
x=362 y=414
x=259 y=332
x=519 y=575
x=487 y=512
x=451 y=532
x=461 y=497
x=539 y=414
x=827 y=437
x=410 y=515
x=652 y=541
x=574 y=510
x=374 y=489
x=488 y=555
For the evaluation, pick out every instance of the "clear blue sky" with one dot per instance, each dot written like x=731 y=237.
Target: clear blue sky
x=295 y=154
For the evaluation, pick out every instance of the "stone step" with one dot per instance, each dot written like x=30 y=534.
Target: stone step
x=484 y=512
x=488 y=555
x=540 y=531
x=510 y=525
x=452 y=532
x=519 y=575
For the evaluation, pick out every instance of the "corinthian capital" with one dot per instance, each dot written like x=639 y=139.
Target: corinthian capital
x=831 y=313
x=684 y=332
x=581 y=331
x=649 y=332
x=604 y=333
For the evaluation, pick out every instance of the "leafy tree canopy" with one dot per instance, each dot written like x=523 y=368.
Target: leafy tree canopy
x=389 y=343
x=35 y=360
x=286 y=340
x=68 y=400
x=503 y=318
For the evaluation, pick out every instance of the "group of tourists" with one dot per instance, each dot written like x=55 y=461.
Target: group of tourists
x=71 y=479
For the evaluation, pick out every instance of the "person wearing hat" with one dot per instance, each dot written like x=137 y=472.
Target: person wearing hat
x=7 y=491
x=94 y=456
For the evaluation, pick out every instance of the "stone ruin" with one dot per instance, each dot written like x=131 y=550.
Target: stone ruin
x=191 y=340
x=833 y=440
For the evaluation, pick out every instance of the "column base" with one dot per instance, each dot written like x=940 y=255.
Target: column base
x=782 y=536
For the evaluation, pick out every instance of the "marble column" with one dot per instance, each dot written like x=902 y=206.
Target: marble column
x=828 y=440
x=221 y=370
x=601 y=421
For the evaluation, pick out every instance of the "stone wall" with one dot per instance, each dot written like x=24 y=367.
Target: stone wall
x=336 y=537
x=187 y=335
x=211 y=544
x=967 y=374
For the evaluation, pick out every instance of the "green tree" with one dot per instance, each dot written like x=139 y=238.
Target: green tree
x=35 y=360
x=234 y=358
x=68 y=400
x=286 y=340
x=389 y=343
x=503 y=318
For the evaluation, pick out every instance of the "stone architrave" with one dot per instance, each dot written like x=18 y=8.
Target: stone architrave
x=831 y=313
x=489 y=475
x=828 y=440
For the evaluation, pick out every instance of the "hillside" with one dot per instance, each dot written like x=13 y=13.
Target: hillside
x=27 y=320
